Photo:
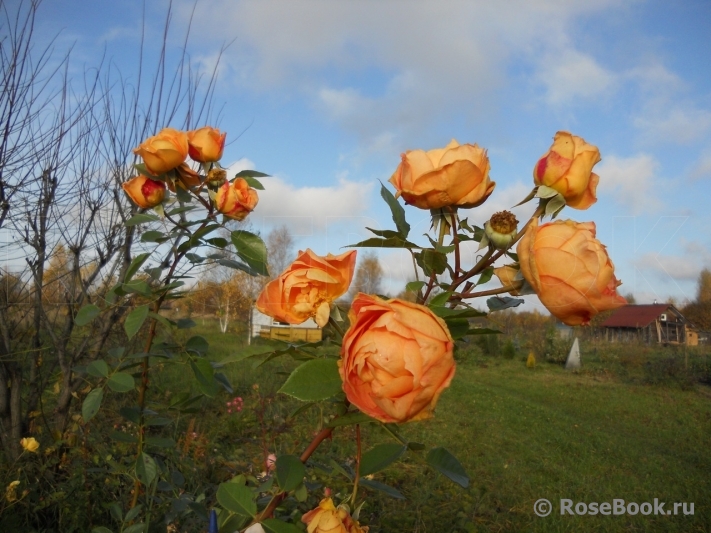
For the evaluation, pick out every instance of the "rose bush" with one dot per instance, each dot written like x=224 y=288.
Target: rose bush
x=236 y=200
x=163 y=152
x=144 y=191
x=205 y=145
x=327 y=518
x=396 y=359
x=567 y=168
x=456 y=175
x=307 y=288
x=569 y=269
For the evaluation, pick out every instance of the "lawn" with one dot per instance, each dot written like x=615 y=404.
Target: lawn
x=522 y=434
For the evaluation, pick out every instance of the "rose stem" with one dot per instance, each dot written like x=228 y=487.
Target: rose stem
x=507 y=288
x=440 y=240
x=336 y=326
x=357 y=471
x=276 y=500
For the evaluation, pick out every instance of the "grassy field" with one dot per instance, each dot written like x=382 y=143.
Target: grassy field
x=522 y=434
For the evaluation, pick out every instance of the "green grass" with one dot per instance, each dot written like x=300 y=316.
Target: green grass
x=522 y=435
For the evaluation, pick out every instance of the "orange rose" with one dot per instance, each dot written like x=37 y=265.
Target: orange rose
x=307 y=288
x=206 y=144
x=236 y=200
x=144 y=191
x=396 y=359
x=567 y=168
x=163 y=152
x=327 y=518
x=569 y=269
x=456 y=175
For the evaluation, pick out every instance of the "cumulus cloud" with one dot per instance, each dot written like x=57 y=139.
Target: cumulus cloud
x=631 y=181
x=573 y=76
x=308 y=210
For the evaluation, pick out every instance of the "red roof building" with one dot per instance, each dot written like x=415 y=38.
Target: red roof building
x=655 y=323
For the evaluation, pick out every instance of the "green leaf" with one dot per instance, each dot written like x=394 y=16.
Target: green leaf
x=135 y=528
x=229 y=263
x=446 y=312
x=251 y=249
x=315 y=380
x=251 y=174
x=397 y=211
x=160 y=442
x=485 y=275
x=135 y=265
x=98 y=369
x=380 y=457
x=273 y=525
x=439 y=300
x=415 y=286
x=237 y=499
x=181 y=209
x=197 y=345
x=545 y=192
x=120 y=436
x=444 y=462
x=290 y=472
x=554 y=205
x=86 y=314
x=354 y=417
x=223 y=381
x=497 y=303
x=92 y=402
x=132 y=513
x=154 y=236
x=382 y=487
x=121 y=382
x=135 y=320
x=101 y=529
x=141 y=218
x=431 y=261
x=387 y=233
x=390 y=242
x=254 y=183
x=137 y=286
x=415 y=446
x=146 y=469
x=204 y=373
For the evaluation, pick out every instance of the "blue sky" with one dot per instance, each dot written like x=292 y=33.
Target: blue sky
x=327 y=94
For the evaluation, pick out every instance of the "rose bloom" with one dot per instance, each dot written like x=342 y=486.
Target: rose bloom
x=144 y=191
x=456 y=175
x=163 y=152
x=569 y=269
x=205 y=145
x=396 y=359
x=567 y=168
x=236 y=200
x=307 y=287
x=30 y=444
x=327 y=518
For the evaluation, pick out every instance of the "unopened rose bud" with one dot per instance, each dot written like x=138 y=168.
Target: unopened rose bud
x=144 y=192
x=236 y=200
x=501 y=229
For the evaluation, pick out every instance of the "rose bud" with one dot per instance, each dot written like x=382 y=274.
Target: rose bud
x=567 y=168
x=327 y=518
x=456 y=175
x=569 y=269
x=236 y=200
x=163 y=152
x=500 y=230
x=396 y=359
x=307 y=288
x=206 y=144
x=217 y=176
x=144 y=191
x=509 y=276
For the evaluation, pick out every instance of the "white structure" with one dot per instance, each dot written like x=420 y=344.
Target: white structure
x=573 y=361
x=260 y=321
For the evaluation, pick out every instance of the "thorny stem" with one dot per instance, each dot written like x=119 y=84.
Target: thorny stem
x=357 y=471
x=490 y=292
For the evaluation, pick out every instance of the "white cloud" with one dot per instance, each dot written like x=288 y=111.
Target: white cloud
x=678 y=124
x=574 y=76
x=702 y=167
x=308 y=210
x=631 y=181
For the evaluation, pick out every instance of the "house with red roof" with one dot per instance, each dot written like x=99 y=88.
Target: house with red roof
x=651 y=324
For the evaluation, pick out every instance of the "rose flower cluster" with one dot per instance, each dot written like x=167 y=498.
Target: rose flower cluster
x=164 y=159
